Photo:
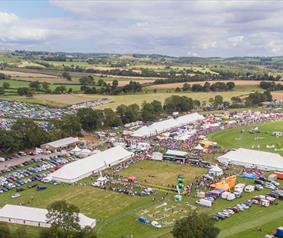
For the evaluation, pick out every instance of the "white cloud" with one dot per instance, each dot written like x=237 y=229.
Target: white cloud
x=14 y=29
x=235 y=40
x=206 y=28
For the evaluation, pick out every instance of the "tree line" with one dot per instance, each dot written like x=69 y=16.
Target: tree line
x=271 y=86
x=88 y=86
x=206 y=87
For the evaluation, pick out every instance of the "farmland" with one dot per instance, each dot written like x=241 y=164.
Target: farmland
x=129 y=99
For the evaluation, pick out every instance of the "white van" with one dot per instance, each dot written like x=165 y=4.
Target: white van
x=249 y=188
x=228 y=196
x=239 y=187
x=204 y=203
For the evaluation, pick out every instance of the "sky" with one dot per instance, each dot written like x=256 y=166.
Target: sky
x=205 y=28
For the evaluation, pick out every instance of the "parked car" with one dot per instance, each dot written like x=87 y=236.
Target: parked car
x=156 y=224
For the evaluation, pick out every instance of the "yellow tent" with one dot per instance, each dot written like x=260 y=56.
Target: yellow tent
x=226 y=184
x=207 y=143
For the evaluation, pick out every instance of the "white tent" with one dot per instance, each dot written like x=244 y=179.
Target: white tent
x=62 y=143
x=253 y=158
x=34 y=216
x=177 y=153
x=166 y=125
x=215 y=171
x=76 y=150
x=189 y=118
x=157 y=156
x=84 y=153
x=199 y=147
x=83 y=168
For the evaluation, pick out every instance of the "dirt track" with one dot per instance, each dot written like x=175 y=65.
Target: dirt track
x=277 y=96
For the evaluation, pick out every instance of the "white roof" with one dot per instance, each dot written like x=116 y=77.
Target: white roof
x=189 y=118
x=63 y=142
x=76 y=149
x=260 y=159
x=75 y=170
x=176 y=152
x=215 y=168
x=37 y=215
x=166 y=125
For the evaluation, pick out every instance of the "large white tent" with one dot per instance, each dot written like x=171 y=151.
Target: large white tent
x=166 y=125
x=60 y=144
x=253 y=158
x=34 y=216
x=83 y=168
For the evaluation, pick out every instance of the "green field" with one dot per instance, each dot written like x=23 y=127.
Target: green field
x=138 y=98
x=116 y=213
x=241 y=137
x=161 y=173
x=112 y=210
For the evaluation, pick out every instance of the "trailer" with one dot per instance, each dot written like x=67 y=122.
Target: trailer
x=204 y=203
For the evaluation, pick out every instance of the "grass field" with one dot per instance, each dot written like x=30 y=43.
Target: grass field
x=234 y=138
x=129 y=99
x=117 y=214
x=161 y=173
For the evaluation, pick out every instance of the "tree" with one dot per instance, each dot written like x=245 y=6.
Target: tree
x=178 y=104
x=157 y=106
x=87 y=80
x=67 y=76
x=148 y=113
x=129 y=113
x=101 y=82
x=70 y=126
x=45 y=86
x=6 y=85
x=64 y=216
x=24 y=92
x=35 y=85
x=196 y=103
x=2 y=90
x=110 y=118
x=230 y=85
x=29 y=133
x=91 y=119
x=2 y=76
x=218 y=100
x=177 y=90
x=115 y=84
x=60 y=89
x=195 y=226
x=186 y=87
x=236 y=100
x=206 y=87
x=4 y=230
x=9 y=141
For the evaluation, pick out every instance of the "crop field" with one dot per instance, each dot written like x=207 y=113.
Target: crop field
x=64 y=99
x=161 y=173
x=241 y=137
x=25 y=74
